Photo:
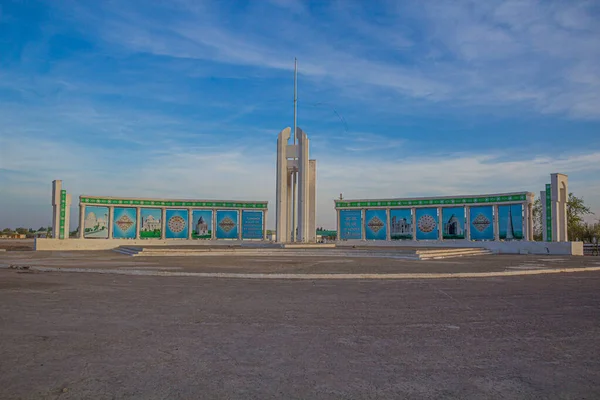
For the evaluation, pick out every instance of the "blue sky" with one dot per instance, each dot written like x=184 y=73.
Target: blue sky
x=184 y=99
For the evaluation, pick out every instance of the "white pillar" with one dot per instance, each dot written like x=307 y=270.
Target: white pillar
x=388 y=234
x=163 y=223
x=265 y=225
x=239 y=213
x=289 y=224
x=496 y=223
x=56 y=199
x=468 y=222
x=530 y=208
x=111 y=217
x=525 y=220
x=560 y=197
x=138 y=222
x=213 y=231
x=312 y=201
x=190 y=223
x=440 y=224
x=81 y=221
x=338 y=225
x=303 y=188
x=413 y=213
x=363 y=231
x=282 y=204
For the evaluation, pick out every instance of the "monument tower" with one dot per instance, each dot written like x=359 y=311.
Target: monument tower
x=295 y=171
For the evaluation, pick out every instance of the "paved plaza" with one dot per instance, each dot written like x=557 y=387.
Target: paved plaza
x=103 y=336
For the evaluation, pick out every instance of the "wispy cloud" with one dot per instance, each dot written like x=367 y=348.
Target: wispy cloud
x=541 y=55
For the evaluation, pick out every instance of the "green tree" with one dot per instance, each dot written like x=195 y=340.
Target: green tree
x=537 y=220
x=576 y=209
x=22 y=231
x=587 y=232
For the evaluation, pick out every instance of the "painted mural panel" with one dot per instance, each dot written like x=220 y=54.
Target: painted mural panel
x=375 y=224
x=350 y=224
x=95 y=224
x=177 y=224
x=227 y=224
x=510 y=222
x=453 y=219
x=401 y=224
x=482 y=223
x=202 y=224
x=151 y=223
x=252 y=224
x=427 y=223
x=124 y=223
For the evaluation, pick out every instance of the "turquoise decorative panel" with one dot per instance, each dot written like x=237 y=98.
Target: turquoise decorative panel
x=427 y=223
x=482 y=223
x=376 y=224
x=124 y=221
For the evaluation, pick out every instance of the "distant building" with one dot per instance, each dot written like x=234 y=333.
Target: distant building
x=510 y=230
x=452 y=227
x=150 y=224
x=401 y=226
x=94 y=223
x=201 y=227
x=12 y=236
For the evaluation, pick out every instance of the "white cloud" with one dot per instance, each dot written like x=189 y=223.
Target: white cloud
x=249 y=174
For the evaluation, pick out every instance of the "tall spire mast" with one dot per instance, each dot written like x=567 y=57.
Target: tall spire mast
x=294 y=173
x=295 y=96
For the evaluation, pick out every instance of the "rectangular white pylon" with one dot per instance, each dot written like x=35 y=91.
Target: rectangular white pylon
x=312 y=201
x=303 y=202
x=282 y=204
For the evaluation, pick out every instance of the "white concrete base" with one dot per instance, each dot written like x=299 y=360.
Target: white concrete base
x=109 y=244
x=512 y=247
x=245 y=251
x=307 y=245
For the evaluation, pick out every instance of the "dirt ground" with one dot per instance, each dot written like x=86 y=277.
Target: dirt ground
x=289 y=264
x=105 y=336
x=16 y=244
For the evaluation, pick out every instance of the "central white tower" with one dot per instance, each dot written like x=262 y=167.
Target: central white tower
x=295 y=169
x=294 y=165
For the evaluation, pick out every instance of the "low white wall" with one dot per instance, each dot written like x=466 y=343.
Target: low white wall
x=107 y=244
x=513 y=247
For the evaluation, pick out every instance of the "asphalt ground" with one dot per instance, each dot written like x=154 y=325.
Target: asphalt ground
x=289 y=264
x=93 y=336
